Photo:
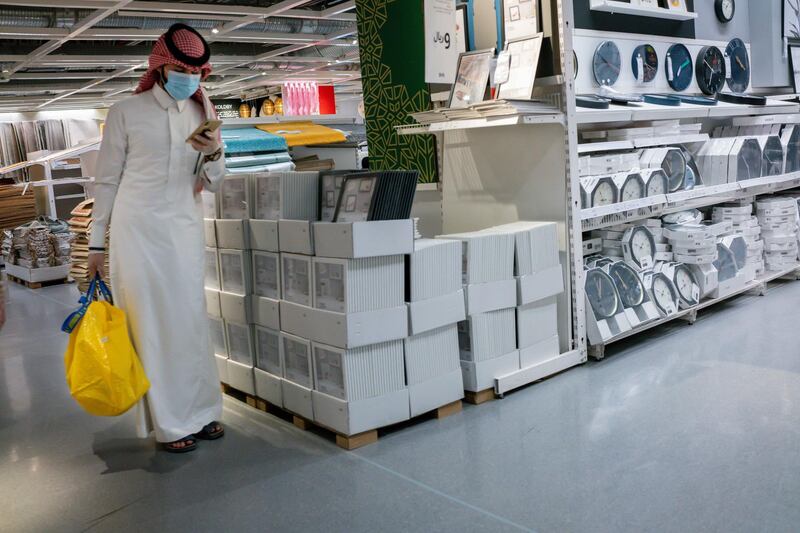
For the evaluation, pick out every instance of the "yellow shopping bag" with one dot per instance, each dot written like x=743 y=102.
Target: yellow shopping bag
x=104 y=373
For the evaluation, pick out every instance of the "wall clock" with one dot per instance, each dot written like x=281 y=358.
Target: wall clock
x=665 y=295
x=630 y=185
x=644 y=63
x=739 y=61
x=629 y=285
x=725 y=10
x=679 y=69
x=601 y=293
x=655 y=181
x=606 y=63
x=710 y=70
x=604 y=193
x=638 y=247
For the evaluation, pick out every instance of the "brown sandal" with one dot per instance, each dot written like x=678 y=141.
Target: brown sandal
x=209 y=432
x=189 y=444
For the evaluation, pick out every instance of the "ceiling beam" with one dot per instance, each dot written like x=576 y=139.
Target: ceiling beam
x=76 y=30
x=89 y=85
x=271 y=11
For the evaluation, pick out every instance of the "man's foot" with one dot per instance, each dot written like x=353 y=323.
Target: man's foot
x=186 y=444
x=211 y=431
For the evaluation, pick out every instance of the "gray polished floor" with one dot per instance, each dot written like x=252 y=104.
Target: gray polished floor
x=696 y=428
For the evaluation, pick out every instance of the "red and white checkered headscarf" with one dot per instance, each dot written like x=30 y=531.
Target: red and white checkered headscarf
x=181 y=45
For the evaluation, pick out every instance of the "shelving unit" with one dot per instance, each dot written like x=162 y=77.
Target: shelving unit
x=607 y=146
x=325 y=120
x=645 y=111
x=627 y=8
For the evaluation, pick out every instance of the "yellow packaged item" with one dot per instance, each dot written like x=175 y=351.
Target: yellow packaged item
x=302 y=133
x=103 y=372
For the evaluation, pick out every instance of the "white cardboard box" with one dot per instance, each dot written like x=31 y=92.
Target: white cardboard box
x=266 y=312
x=364 y=239
x=268 y=387
x=540 y=285
x=241 y=377
x=297 y=399
x=425 y=315
x=480 y=376
x=491 y=296
x=296 y=236
x=539 y=352
x=222 y=367
x=233 y=234
x=210 y=230
x=351 y=418
x=236 y=308
x=264 y=235
x=537 y=322
x=436 y=392
x=213 y=306
x=344 y=330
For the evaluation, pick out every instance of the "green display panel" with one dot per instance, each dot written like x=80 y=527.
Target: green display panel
x=392 y=49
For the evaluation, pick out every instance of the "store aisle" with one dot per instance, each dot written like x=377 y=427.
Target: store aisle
x=696 y=428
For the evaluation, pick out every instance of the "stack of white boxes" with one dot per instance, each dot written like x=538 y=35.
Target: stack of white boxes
x=778 y=218
x=745 y=225
x=435 y=300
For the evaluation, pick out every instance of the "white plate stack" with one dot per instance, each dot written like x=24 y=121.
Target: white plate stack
x=746 y=225
x=435 y=300
x=778 y=216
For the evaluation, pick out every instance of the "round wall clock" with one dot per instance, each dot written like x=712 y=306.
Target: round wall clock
x=632 y=188
x=674 y=166
x=679 y=67
x=710 y=70
x=686 y=284
x=639 y=247
x=606 y=63
x=646 y=58
x=604 y=193
x=656 y=181
x=629 y=285
x=725 y=263
x=725 y=10
x=739 y=76
x=601 y=293
x=665 y=295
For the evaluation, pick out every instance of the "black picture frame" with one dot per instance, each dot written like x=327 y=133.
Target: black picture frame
x=355 y=180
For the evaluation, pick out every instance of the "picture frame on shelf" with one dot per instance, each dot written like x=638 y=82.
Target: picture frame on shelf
x=356 y=198
x=676 y=5
x=522 y=58
x=794 y=66
x=472 y=77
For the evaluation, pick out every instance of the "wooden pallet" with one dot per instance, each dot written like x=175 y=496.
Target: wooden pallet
x=37 y=284
x=477 y=398
x=347 y=442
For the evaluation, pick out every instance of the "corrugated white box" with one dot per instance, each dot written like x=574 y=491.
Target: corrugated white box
x=212 y=273
x=210 y=232
x=241 y=347
x=487 y=335
x=296 y=236
x=234 y=197
x=213 y=307
x=269 y=367
x=486 y=257
x=222 y=367
x=296 y=360
x=478 y=376
x=433 y=269
x=296 y=278
x=425 y=315
x=490 y=296
x=241 y=377
x=540 y=352
x=266 y=274
x=358 y=285
x=351 y=418
x=268 y=387
x=364 y=239
x=289 y=195
x=266 y=312
x=344 y=330
x=234 y=266
x=536 y=322
x=297 y=399
x=233 y=234
x=217 y=339
x=358 y=373
x=264 y=235
x=540 y=285
x=236 y=308
x=433 y=369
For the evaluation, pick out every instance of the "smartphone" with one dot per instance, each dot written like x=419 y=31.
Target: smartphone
x=208 y=125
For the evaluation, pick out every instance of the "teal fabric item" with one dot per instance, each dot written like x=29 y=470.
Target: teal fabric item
x=240 y=140
x=275 y=167
x=258 y=159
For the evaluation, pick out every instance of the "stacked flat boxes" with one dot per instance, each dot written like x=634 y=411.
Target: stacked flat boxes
x=746 y=225
x=778 y=217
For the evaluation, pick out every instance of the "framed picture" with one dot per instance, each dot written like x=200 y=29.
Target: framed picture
x=462 y=28
x=522 y=58
x=472 y=76
x=519 y=19
x=355 y=201
x=794 y=64
x=676 y=5
x=791 y=19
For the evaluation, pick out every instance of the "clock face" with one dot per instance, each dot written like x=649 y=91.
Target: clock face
x=657 y=184
x=607 y=63
x=632 y=189
x=710 y=70
x=773 y=157
x=738 y=247
x=629 y=286
x=725 y=9
x=749 y=160
x=642 y=245
x=739 y=60
x=686 y=284
x=664 y=294
x=674 y=166
x=601 y=293
x=644 y=58
x=679 y=67
x=725 y=263
x=603 y=194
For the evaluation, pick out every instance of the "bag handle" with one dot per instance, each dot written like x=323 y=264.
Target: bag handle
x=91 y=295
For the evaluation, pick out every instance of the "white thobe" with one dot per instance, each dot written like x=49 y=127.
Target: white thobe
x=146 y=174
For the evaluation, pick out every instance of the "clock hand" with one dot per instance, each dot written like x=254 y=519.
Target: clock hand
x=740 y=63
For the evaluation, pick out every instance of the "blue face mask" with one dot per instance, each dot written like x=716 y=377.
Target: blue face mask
x=181 y=86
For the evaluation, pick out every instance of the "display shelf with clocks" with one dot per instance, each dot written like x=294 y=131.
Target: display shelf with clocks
x=646 y=142
x=631 y=8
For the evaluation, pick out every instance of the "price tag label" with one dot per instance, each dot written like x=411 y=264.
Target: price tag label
x=670 y=75
x=503 y=69
x=728 y=69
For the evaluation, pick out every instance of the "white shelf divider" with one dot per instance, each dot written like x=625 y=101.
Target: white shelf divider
x=624 y=8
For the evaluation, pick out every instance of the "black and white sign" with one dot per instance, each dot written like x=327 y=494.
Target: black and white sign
x=441 y=47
